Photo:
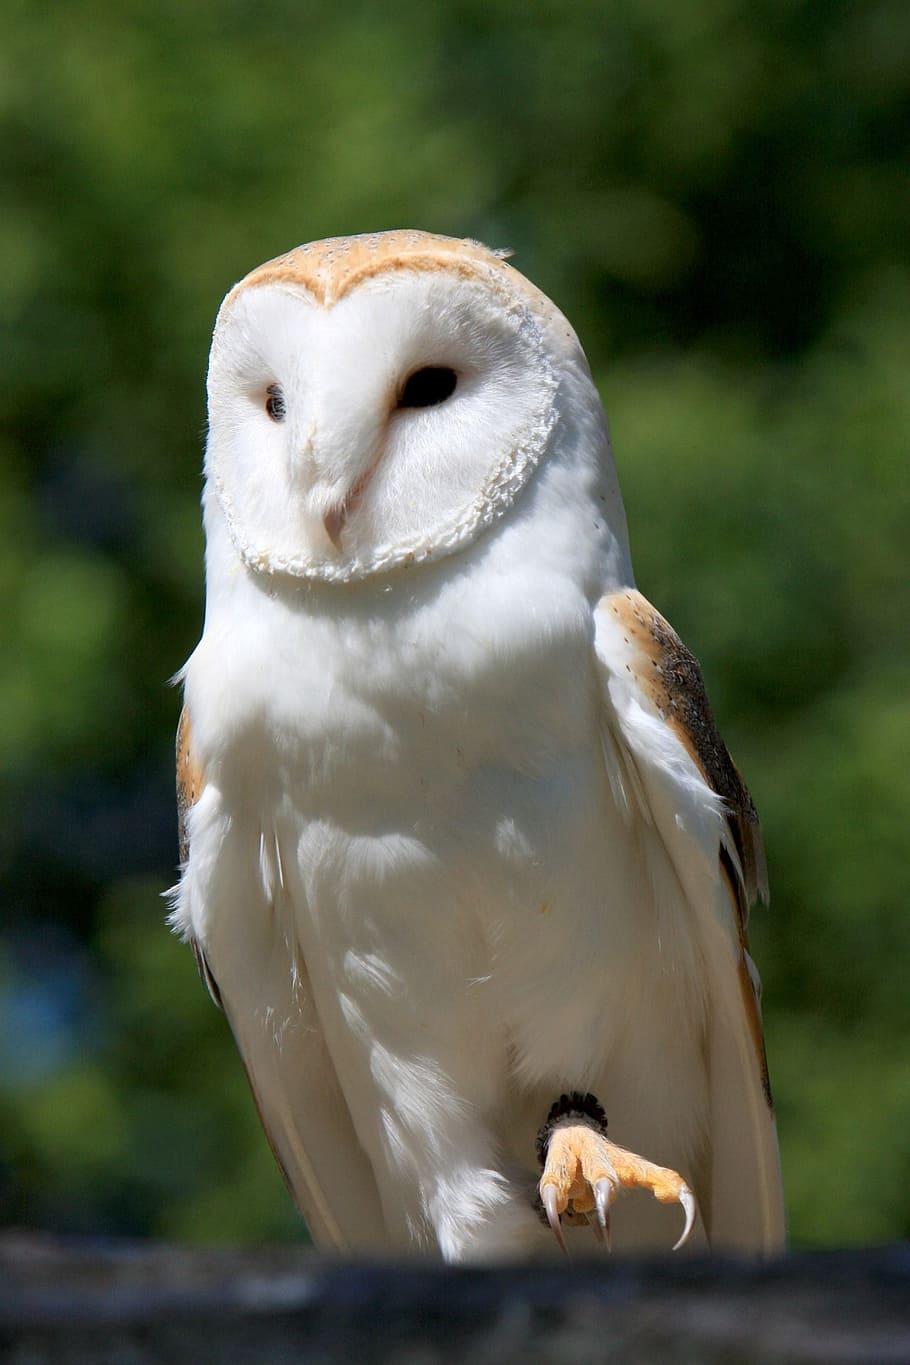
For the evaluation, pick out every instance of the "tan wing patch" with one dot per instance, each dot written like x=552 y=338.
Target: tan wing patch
x=190 y=781
x=670 y=677
x=329 y=269
x=190 y=786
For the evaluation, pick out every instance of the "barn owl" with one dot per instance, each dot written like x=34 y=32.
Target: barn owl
x=465 y=860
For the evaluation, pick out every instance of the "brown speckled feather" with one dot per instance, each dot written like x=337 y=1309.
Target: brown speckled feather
x=190 y=781
x=670 y=678
x=190 y=786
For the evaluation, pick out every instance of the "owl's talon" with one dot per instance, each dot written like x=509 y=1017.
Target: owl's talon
x=687 y=1199
x=601 y=1226
x=603 y=1198
x=550 y=1200
x=583 y=1171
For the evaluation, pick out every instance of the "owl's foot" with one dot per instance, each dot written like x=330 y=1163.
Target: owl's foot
x=583 y=1171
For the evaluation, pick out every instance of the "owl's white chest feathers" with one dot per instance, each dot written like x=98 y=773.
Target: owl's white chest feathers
x=408 y=816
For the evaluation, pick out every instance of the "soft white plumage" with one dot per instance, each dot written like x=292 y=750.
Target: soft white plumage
x=461 y=834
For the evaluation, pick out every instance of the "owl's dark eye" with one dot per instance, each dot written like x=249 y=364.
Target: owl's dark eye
x=274 y=403
x=427 y=387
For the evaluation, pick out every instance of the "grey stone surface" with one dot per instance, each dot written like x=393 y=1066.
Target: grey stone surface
x=74 y=1302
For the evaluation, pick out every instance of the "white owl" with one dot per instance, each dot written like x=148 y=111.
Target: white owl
x=466 y=861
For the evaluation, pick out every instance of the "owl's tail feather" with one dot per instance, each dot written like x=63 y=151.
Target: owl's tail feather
x=743 y=1204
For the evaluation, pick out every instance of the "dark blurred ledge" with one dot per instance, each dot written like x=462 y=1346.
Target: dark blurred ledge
x=77 y=1302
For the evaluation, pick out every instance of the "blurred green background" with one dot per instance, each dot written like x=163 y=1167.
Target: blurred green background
x=717 y=193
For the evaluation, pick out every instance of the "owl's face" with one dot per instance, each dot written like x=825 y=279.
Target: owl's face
x=377 y=401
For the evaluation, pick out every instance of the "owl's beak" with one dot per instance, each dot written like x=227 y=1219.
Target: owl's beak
x=335 y=518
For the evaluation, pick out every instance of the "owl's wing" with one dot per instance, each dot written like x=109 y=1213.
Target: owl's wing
x=293 y=1080
x=668 y=766
x=190 y=785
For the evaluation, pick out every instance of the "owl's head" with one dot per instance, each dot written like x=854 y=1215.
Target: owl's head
x=378 y=400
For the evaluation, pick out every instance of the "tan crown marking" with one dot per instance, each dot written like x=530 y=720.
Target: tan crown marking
x=330 y=269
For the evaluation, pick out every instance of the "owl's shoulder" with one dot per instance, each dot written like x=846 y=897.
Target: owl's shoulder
x=636 y=639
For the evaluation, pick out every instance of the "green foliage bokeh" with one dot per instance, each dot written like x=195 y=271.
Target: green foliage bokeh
x=717 y=194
